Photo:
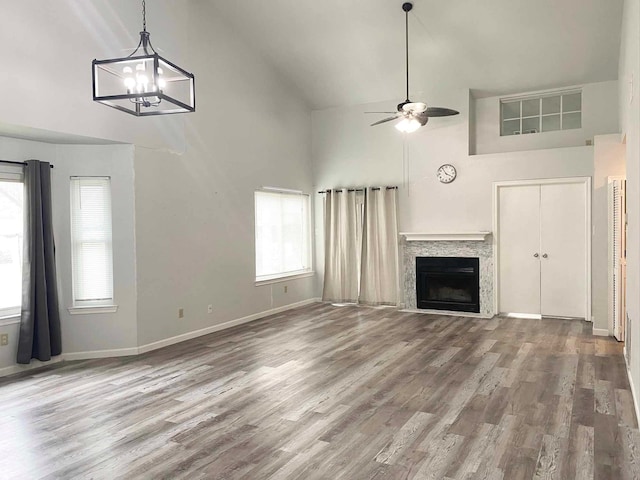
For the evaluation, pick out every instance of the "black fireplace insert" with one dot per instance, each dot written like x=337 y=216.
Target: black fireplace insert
x=448 y=283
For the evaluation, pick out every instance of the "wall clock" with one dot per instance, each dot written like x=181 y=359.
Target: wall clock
x=447 y=173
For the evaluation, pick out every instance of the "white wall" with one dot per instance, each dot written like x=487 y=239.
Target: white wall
x=85 y=333
x=105 y=331
x=608 y=161
x=629 y=76
x=348 y=152
x=194 y=212
x=599 y=116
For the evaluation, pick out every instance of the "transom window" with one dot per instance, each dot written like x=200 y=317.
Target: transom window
x=541 y=113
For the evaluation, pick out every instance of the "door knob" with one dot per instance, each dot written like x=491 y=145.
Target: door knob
x=536 y=255
x=544 y=255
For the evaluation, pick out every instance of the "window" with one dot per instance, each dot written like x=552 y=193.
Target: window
x=283 y=238
x=91 y=248
x=541 y=113
x=11 y=234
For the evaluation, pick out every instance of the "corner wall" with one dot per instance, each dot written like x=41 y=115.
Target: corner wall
x=629 y=77
x=84 y=335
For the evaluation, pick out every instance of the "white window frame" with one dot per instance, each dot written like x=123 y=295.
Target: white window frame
x=540 y=115
x=105 y=305
x=6 y=175
x=283 y=276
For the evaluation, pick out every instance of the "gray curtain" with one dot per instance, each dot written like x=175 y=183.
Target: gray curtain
x=379 y=278
x=342 y=244
x=40 y=335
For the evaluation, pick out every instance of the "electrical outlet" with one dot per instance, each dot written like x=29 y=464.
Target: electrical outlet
x=210 y=309
x=286 y=289
x=181 y=313
x=4 y=339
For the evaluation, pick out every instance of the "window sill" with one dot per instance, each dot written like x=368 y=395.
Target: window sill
x=10 y=320
x=285 y=278
x=93 y=309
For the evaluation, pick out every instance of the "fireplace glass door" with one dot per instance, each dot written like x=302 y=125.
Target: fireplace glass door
x=448 y=283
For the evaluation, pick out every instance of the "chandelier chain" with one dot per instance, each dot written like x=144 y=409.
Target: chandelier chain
x=144 y=16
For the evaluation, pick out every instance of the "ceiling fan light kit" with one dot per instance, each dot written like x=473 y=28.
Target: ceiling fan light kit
x=408 y=125
x=143 y=83
x=412 y=115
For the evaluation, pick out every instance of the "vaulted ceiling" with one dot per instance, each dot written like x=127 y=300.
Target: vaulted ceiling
x=346 y=52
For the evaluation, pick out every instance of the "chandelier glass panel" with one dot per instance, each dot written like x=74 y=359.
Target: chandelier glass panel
x=143 y=83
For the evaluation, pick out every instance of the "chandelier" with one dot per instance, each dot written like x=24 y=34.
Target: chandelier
x=143 y=83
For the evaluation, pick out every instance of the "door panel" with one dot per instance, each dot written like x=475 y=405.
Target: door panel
x=519 y=227
x=617 y=242
x=563 y=270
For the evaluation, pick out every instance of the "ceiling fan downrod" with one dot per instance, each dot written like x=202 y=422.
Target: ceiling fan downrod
x=412 y=115
x=407 y=6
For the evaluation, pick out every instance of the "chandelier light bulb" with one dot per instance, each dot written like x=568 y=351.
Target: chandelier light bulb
x=130 y=83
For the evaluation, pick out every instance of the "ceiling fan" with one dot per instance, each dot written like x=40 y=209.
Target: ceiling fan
x=412 y=115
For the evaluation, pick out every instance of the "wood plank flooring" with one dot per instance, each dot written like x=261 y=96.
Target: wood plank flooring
x=325 y=392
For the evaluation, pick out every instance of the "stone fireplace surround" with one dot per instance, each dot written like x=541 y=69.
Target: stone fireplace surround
x=475 y=244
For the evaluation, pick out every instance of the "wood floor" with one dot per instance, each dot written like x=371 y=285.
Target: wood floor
x=325 y=392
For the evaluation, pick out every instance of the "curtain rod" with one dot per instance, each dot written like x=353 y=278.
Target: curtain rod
x=354 y=189
x=18 y=163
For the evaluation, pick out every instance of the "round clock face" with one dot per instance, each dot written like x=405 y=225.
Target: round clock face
x=447 y=173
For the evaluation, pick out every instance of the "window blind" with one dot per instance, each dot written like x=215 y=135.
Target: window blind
x=11 y=235
x=283 y=241
x=91 y=239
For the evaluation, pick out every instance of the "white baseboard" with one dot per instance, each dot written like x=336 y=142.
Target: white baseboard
x=116 y=352
x=18 y=367
x=221 y=326
x=600 y=332
x=124 y=352
x=525 y=316
x=633 y=389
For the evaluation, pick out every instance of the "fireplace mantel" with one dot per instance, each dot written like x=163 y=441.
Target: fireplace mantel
x=443 y=237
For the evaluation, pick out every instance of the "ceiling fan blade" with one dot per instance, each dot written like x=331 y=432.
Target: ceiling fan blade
x=381 y=112
x=441 y=112
x=388 y=119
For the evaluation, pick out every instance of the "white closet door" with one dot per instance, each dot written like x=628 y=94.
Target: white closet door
x=519 y=224
x=563 y=250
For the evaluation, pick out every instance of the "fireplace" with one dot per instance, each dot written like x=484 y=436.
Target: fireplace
x=448 y=283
